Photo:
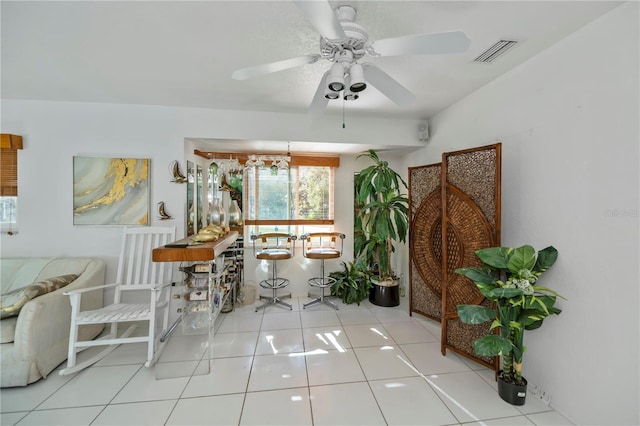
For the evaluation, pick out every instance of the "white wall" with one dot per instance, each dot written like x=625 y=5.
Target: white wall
x=568 y=120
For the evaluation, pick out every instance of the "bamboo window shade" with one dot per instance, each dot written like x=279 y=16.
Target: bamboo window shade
x=10 y=144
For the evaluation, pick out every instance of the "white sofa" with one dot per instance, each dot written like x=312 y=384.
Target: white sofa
x=36 y=341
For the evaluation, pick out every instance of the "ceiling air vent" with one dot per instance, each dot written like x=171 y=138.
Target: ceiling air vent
x=495 y=51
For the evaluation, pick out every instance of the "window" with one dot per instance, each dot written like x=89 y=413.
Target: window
x=10 y=144
x=295 y=200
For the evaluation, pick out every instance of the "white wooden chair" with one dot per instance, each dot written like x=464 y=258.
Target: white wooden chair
x=136 y=272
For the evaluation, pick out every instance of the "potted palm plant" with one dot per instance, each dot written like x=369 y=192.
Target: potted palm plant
x=509 y=277
x=382 y=219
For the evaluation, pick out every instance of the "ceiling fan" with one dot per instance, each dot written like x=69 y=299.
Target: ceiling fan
x=346 y=43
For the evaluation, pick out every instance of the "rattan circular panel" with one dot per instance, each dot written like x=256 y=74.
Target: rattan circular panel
x=468 y=231
x=426 y=241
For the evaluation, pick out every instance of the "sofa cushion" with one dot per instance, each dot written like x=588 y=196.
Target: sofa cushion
x=11 y=303
x=8 y=329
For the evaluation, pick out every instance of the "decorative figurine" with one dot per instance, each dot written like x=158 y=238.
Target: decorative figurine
x=178 y=176
x=162 y=214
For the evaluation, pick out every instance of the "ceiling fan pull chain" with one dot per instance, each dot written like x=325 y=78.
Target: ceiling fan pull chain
x=343 y=108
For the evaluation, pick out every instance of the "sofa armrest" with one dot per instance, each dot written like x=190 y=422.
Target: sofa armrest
x=45 y=320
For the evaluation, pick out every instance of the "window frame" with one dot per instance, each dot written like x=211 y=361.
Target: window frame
x=293 y=226
x=9 y=146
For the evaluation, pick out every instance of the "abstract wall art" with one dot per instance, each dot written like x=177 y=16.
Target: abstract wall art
x=110 y=191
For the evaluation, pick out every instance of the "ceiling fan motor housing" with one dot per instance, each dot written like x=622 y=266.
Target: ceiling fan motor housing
x=355 y=42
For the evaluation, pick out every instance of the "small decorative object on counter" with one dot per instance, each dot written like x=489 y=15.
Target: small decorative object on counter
x=216 y=212
x=235 y=215
x=210 y=233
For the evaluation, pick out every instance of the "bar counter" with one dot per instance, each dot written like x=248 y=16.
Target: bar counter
x=194 y=253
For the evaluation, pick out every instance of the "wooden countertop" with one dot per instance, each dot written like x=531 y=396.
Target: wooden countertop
x=194 y=253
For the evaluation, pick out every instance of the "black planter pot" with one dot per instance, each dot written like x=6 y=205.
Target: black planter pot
x=382 y=295
x=512 y=393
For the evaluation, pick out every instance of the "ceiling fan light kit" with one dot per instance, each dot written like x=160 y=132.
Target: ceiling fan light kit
x=344 y=43
x=356 y=77
x=328 y=93
x=336 y=78
x=349 y=95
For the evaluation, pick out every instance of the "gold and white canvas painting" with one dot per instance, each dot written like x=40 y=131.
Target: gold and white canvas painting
x=110 y=191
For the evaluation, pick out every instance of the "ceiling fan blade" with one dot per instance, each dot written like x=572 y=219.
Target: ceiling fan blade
x=319 y=102
x=418 y=44
x=246 y=73
x=323 y=18
x=387 y=85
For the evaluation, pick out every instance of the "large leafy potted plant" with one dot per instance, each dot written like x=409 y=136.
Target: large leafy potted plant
x=509 y=277
x=382 y=218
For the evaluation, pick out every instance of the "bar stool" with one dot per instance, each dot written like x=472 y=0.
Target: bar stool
x=322 y=245
x=274 y=246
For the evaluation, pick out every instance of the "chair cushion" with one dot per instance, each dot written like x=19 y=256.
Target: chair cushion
x=11 y=303
x=274 y=254
x=322 y=253
x=8 y=329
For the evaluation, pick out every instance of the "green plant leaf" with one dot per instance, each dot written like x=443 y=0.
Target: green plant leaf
x=517 y=353
x=541 y=289
x=492 y=345
x=546 y=258
x=402 y=224
x=478 y=275
x=505 y=293
x=475 y=314
x=522 y=258
x=486 y=289
x=496 y=257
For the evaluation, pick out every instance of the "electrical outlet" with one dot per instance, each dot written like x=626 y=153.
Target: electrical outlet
x=544 y=397
x=539 y=393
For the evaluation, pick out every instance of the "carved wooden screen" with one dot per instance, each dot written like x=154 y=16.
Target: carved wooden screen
x=425 y=242
x=471 y=210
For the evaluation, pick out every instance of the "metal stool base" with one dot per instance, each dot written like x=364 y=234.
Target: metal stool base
x=320 y=300
x=274 y=301
x=274 y=284
x=321 y=283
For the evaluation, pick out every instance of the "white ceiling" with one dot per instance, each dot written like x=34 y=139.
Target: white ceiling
x=182 y=53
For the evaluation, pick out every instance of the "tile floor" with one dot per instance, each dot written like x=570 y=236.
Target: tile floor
x=360 y=365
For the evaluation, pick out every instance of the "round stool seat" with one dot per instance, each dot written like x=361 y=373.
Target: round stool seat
x=322 y=253
x=274 y=254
